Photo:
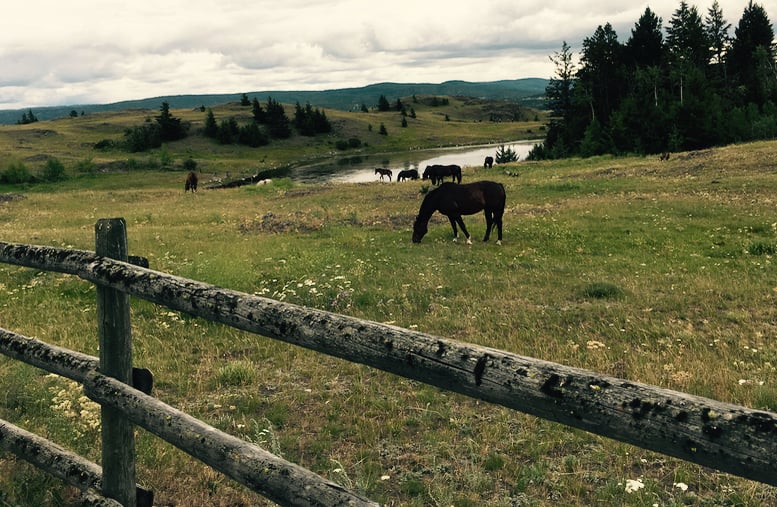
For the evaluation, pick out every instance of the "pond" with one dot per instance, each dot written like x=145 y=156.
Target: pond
x=360 y=169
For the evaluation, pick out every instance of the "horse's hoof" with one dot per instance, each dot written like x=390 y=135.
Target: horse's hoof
x=499 y=242
x=469 y=241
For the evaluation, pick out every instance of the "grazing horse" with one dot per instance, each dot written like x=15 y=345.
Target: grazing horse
x=407 y=174
x=455 y=200
x=437 y=173
x=489 y=162
x=383 y=172
x=191 y=183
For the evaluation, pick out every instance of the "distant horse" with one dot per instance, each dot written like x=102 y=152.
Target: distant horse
x=383 y=172
x=191 y=183
x=454 y=200
x=437 y=173
x=489 y=162
x=407 y=174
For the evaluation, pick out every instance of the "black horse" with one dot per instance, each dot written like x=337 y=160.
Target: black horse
x=489 y=162
x=455 y=200
x=383 y=172
x=437 y=173
x=407 y=174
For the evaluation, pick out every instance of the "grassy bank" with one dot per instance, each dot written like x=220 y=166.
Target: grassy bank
x=659 y=272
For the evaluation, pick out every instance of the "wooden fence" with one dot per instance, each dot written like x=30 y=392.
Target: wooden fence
x=723 y=436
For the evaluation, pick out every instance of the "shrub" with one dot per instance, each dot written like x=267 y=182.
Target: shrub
x=16 y=173
x=104 y=144
x=54 y=170
x=86 y=166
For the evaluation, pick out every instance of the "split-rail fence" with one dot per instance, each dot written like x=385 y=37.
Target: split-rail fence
x=723 y=436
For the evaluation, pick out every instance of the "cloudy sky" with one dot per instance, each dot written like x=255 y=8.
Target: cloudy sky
x=55 y=52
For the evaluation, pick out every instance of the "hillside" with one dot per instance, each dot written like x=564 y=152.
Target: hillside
x=527 y=92
x=73 y=141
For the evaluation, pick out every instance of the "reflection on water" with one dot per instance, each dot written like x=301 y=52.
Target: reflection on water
x=361 y=168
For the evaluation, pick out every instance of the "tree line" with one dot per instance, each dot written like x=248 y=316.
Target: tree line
x=268 y=122
x=687 y=86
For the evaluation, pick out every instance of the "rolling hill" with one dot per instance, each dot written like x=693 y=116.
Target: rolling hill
x=528 y=92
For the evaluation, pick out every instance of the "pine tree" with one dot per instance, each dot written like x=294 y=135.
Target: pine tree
x=744 y=60
x=170 y=127
x=211 y=128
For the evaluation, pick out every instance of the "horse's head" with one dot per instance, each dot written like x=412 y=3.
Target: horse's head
x=419 y=230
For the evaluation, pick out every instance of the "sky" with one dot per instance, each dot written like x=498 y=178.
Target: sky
x=70 y=52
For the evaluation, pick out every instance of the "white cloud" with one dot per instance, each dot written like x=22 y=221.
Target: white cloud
x=54 y=52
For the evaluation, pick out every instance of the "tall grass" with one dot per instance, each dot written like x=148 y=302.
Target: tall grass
x=656 y=272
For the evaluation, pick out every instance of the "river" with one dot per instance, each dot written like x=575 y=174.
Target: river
x=358 y=169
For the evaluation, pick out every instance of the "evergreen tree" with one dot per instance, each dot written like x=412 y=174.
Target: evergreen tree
x=244 y=100
x=383 y=104
x=687 y=38
x=170 y=127
x=27 y=118
x=211 y=128
x=717 y=29
x=744 y=60
x=601 y=76
x=559 y=100
x=258 y=112
x=645 y=47
x=277 y=121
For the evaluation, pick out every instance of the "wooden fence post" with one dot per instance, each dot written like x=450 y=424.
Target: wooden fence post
x=113 y=322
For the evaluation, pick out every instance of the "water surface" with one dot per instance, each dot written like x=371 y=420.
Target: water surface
x=359 y=169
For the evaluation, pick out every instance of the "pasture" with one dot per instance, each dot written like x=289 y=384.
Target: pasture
x=656 y=271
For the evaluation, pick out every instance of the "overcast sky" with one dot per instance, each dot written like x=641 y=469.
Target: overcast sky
x=55 y=52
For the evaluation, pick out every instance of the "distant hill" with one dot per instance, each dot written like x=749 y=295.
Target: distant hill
x=528 y=92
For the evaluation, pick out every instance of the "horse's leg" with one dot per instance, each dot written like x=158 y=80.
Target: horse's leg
x=489 y=223
x=460 y=221
x=498 y=220
x=453 y=226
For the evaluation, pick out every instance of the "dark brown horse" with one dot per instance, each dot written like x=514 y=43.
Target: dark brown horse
x=191 y=183
x=383 y=172
x=407 y=174
x=437 y=173
x=453 y=201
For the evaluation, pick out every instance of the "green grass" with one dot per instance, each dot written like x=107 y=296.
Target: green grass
x=657 y=272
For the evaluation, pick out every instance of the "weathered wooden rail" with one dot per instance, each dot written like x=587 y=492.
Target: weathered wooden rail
x=723 y=436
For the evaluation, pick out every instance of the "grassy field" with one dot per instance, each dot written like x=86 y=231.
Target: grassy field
x=658 y=272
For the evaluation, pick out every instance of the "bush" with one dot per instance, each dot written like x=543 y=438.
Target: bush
x=142 y=138
x=15 y=174
x=104 y=144
x=86 y=166
x=54 y=170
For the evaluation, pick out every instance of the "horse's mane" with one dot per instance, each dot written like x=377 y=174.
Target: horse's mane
x=428 y=205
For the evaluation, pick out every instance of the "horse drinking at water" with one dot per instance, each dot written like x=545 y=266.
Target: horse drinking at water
x=437 y=173
x=383 y=172
x=454 y=200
